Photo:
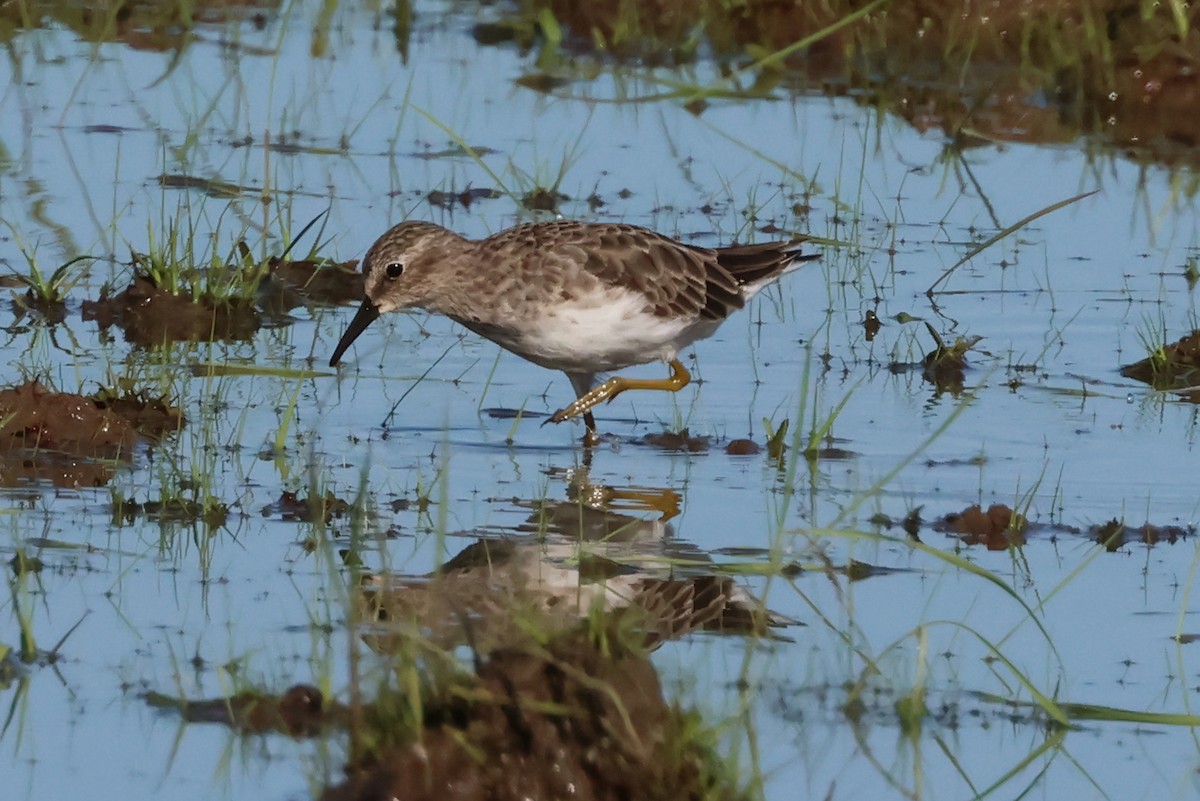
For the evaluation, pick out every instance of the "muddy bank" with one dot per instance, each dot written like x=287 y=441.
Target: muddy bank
x=1124 y=75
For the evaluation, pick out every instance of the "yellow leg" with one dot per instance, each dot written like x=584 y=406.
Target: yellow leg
x=613 y=387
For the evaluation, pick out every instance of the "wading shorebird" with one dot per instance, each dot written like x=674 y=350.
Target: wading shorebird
x=583 y=298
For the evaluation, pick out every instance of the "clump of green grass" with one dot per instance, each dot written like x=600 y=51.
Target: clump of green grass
x=183 y=265
x=188 y=264
x=45 y=294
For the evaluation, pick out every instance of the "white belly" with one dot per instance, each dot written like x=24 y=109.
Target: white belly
x=594 y=337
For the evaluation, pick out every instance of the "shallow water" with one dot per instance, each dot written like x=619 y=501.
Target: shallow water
x=1045 y=422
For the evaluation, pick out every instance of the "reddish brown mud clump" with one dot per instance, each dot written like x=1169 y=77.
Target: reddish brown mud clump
x=32 y=416
x=742 y=447
x=73 y=440
x=999 y=528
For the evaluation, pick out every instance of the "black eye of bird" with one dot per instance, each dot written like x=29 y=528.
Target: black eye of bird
x=394 y=269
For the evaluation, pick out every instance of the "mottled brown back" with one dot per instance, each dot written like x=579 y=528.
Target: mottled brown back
x=677 y=279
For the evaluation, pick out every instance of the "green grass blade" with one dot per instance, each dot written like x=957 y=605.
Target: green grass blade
x=1018 y=225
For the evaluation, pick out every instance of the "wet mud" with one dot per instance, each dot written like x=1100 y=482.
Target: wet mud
x=582 y=717
x=776 y=446
x=465 y=198
x=1124 y=75
x=71 y=440
x=177 y=509
x=742 y=447
x=998 y=528
x=679 y=441
x=152 y=26
x=151 y=417
x=1115 y=535
x=35 y=417
x=43 y=310
x=150 y=316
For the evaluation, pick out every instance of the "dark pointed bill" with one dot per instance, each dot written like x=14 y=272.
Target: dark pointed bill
x=366 y=315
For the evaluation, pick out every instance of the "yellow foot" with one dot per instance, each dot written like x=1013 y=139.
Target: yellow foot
x=613 y=387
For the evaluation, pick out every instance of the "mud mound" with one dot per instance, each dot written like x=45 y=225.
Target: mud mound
x=582 y=720
x=74 y=440
x=34 y=417
x=152 y=316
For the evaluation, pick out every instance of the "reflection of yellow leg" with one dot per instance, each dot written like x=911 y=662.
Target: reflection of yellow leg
x=623 y=499
x=663 y=501
x=613 y=387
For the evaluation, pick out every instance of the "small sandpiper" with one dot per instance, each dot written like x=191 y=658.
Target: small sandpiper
x=580 y=297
